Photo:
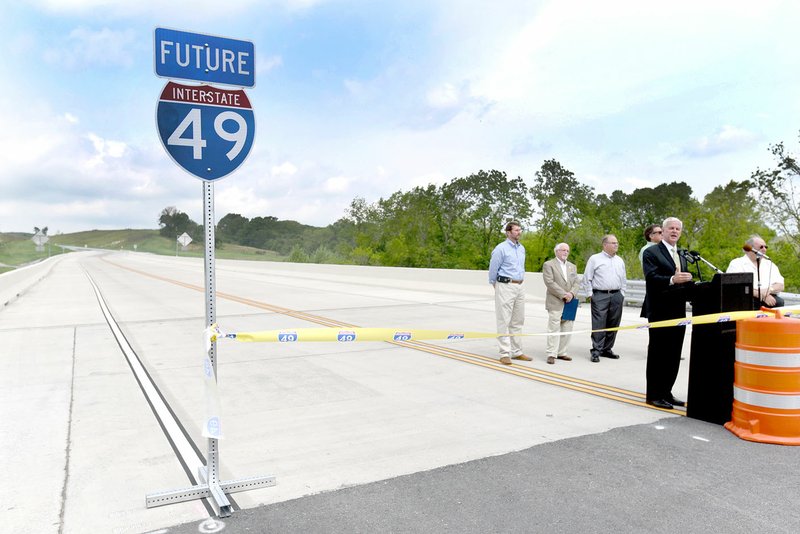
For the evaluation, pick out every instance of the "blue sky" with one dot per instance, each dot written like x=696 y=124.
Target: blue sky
x=358 y=98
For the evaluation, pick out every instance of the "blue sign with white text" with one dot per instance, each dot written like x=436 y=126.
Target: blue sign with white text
x=204 y=58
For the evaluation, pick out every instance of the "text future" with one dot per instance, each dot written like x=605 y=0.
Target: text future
x=206 y=57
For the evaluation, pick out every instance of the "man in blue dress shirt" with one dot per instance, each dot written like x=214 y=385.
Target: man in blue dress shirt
x=506 y=274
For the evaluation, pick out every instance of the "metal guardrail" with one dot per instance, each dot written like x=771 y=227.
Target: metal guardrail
x=634 y=295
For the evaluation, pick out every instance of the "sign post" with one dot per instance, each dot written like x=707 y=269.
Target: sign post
x=208 y=132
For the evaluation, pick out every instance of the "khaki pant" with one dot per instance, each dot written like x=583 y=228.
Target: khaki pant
x=557 y=345
x=509 y=306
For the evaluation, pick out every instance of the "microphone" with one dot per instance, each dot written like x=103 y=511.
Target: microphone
x=696 y=258
x=758 y=253
x=689 y=255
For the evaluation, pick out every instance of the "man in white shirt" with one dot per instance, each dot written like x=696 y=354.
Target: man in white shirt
x=767 y=279
x=605 y=280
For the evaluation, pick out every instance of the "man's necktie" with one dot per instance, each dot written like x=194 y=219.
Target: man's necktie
x=675 y=258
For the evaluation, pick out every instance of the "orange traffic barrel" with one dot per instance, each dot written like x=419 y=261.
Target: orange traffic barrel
x=766 y=383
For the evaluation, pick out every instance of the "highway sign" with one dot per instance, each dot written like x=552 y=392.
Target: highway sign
x=204 y=58
x=40 y=239
x=184 y=239
x=208 y=131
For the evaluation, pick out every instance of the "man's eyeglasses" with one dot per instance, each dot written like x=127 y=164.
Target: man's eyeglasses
x=765 y=247
x=659 y=232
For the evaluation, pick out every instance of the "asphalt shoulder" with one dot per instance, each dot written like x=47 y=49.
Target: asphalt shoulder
x=674 y=475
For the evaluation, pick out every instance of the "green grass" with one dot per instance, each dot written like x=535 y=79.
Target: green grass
x=17 y=249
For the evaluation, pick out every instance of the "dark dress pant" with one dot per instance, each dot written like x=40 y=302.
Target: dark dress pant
x=663 y=361
x=606 y=313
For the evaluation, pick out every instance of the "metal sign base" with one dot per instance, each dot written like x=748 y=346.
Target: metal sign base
x=208 y=475
x=216 y=491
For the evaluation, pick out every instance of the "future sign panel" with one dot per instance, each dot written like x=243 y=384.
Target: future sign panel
x=206 y=130
x=205 y=58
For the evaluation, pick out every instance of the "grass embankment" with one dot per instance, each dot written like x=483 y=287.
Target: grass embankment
x=17 y=249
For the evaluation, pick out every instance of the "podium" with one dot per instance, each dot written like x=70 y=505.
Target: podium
x=713 y=346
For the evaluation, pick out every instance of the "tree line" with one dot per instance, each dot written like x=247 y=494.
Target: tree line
x=457 y=224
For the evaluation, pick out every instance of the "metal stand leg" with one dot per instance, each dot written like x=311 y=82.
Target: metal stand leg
x=210 y=485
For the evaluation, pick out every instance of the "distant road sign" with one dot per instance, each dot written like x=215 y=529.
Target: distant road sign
x=205 y=58
x=40 y=239
x=184 y=239
x=206 y=130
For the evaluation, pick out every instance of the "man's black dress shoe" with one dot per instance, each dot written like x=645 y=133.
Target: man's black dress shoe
x=595 y=358
x=660 y=404
x=676 y=402
x=610 y=355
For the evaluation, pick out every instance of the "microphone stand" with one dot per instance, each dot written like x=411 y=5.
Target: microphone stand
x=701 y=258
x=690 y=258
x=758 y=277
x=699 y=274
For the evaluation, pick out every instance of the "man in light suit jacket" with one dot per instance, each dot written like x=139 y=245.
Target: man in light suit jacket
x=561 y=280
x=668 y=288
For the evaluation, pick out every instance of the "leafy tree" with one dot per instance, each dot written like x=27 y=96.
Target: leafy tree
x=490 y=199
x=232 y=227
x=453 y=226
x=727 y=216
x=323 y=255
x=778 y=193
x=561 y=202
x=561 y=205
x=407 y=232
x=298 y=255
x=650 y=205
x=173 y=223
x=365 y=221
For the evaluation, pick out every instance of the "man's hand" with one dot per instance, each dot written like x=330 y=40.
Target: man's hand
x=568 y=297
x=681 y=277
x=769 y=300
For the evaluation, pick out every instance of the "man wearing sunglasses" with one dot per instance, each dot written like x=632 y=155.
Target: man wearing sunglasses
x=767 y=279
x=652 y=234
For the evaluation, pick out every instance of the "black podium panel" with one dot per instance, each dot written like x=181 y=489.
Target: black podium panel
x=713 y=346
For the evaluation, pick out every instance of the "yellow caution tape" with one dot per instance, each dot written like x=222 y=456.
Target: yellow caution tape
x=350 y=335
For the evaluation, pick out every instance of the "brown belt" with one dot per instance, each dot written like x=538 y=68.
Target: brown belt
x=517 y=281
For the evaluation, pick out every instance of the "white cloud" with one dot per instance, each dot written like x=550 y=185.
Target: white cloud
x=606 y=185
x=206 y=9
x=623 y=93
x=337 y=184
x=265 y=65
x=726 y=139
x=284 y=169
x=578 y=59
x=425 y=180
x=444 y=96
x=354 y=87
x=85 y=47
x=105 y=148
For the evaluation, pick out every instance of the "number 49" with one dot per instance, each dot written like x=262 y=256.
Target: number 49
x=196 y=141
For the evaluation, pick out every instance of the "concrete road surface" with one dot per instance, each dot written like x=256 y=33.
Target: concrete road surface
x=361 y=437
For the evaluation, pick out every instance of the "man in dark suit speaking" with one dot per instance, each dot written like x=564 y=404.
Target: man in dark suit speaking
x=668 y=284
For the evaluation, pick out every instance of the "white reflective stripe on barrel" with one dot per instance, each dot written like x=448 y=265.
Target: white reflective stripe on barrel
x=768 y=359
x=766 y=400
